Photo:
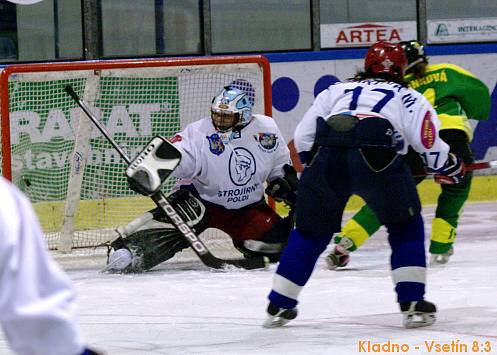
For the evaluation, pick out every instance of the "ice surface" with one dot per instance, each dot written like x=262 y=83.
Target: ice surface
x=187 y=309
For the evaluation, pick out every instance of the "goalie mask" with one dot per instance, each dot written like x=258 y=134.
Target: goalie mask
x=230 y=109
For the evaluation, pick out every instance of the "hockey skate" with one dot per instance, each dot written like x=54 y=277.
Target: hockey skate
x=278 y=317
x=418 y=314
x=339 y=257
x=440 y=259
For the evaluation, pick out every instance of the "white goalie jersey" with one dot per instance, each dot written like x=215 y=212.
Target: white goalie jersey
x=230 y=169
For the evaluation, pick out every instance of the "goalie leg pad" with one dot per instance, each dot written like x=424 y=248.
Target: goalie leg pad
x=153 y=239
x=154 y=246
x=280 y=231
x=271 y=244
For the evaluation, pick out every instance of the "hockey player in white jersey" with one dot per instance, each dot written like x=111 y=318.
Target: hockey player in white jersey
x=225 y=161
x=38 y=311
x=351 y=139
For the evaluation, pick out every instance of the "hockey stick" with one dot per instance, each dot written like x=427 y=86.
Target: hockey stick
x=161 y=201
x=492 y=164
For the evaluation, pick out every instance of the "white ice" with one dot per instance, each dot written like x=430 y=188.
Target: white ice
x=188 y=309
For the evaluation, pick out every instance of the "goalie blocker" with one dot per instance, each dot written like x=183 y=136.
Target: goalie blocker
x=148 y=171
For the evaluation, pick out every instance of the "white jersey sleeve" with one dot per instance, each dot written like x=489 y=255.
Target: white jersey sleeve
x=38 y=312
x=187 y=143
x=422 y=131
x=306 y=129
x=281 y=154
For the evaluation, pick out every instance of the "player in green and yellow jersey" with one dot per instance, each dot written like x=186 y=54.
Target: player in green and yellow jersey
x=457 y=95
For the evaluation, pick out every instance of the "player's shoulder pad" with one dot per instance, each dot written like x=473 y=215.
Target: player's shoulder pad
x=204 y=122
x=202 y=125
x=264 y=124
x=449 y=67
x=333 y=85
x=411 y=91
x=194 y=129
x=264 y=121
x=412 y=99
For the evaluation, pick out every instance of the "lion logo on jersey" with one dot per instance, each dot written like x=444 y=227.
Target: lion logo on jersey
x=242 y=166
x=216 y=145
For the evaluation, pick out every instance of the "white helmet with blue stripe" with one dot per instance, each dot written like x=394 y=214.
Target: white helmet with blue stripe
x=231 y=108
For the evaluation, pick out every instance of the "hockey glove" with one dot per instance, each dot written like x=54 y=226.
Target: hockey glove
x=452 y=172
x=284 y=189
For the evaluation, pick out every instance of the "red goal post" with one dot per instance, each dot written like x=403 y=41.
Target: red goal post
x=72 y=176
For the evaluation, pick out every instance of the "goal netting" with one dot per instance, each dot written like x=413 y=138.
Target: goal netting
x=72 y=175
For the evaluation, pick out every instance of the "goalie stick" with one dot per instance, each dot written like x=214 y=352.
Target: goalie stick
x=161 y=201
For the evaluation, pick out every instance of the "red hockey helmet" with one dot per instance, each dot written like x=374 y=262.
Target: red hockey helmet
x=386 y=58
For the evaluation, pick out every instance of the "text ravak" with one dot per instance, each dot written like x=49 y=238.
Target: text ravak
x=57 y=124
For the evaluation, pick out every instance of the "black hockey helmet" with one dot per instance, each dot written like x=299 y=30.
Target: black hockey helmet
x=415 y=53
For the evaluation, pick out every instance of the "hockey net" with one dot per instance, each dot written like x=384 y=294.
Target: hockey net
x=72 y=175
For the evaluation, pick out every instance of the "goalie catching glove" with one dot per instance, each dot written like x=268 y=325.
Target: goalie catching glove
x=149 y=170
x=452 y=172
x=284 y=189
